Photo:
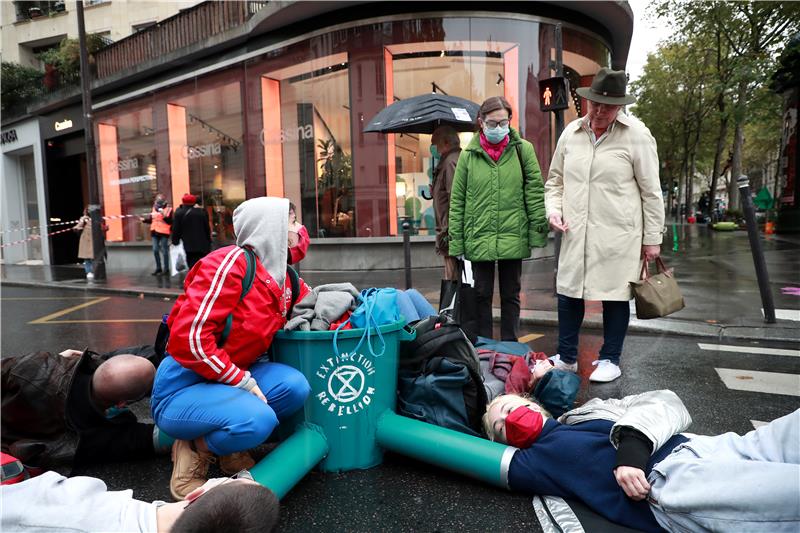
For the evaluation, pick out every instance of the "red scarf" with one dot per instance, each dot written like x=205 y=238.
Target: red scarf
x=494 y=150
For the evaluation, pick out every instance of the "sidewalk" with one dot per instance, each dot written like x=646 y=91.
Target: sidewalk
x=718 y=306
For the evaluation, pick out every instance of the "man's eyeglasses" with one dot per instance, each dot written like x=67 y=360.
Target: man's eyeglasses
x=495 y=123
x=241 y=474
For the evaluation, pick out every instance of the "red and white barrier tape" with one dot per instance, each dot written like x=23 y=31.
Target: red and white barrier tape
x=34 y=237
x=69 y=222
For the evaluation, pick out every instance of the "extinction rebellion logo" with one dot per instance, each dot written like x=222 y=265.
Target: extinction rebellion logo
x=345 y=377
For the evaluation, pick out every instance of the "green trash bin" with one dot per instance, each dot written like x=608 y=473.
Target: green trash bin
x=349 y=390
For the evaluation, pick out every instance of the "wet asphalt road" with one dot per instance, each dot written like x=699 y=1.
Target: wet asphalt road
x=402 y=495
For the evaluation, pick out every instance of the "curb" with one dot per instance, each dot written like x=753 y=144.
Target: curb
x=528 y=317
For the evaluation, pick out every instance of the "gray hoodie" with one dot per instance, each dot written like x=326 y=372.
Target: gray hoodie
x=263 y=225
x=51 y=502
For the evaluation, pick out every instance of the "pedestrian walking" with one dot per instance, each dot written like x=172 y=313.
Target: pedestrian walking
x=212 y=389
x=628 y=461
x=604 y=194
x=86 y=242
x=190 y=225
x=160 y=220
x=445 y=151
x=497 y=213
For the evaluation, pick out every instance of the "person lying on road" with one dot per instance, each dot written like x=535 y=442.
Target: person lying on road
x=627 y=461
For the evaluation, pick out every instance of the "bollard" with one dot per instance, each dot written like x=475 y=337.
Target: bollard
x=755 y=247
x=407 y=251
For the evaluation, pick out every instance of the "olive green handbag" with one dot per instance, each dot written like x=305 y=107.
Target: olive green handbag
x=658 y=295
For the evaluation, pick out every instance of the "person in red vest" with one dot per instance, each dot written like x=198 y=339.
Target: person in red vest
x=160 y=220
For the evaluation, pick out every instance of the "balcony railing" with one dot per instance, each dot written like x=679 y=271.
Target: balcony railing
x=28 y=10
x=188 y=27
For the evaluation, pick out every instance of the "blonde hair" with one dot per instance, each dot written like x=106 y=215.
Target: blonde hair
x=517 y=399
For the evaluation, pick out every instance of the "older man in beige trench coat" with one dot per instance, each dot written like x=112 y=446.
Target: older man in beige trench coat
x=603 y=192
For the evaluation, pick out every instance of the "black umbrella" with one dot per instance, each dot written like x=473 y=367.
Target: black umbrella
x=424 y=113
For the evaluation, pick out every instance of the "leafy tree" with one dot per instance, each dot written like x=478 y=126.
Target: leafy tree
x=21 y=85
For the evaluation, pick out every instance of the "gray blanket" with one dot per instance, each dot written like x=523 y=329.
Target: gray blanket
x=322 y=306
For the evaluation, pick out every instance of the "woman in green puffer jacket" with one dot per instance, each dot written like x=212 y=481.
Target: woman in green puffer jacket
x=490 y=218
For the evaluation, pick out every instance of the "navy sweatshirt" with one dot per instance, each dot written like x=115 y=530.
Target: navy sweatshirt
x=578 y=462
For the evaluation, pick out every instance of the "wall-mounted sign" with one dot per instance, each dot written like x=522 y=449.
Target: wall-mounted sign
x=126 y=164
x=292 y=134
x=202 y=150
x=63 y=125
x=9 y=136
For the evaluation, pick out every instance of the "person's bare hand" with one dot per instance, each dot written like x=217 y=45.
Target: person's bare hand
x=557 y=223
x=258 y=394
x=632 y=481
x=70 y=353
x=650 y=251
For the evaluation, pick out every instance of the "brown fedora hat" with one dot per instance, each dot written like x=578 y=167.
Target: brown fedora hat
x=608 y=87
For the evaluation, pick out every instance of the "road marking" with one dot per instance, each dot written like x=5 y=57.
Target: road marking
x=754 y=381
x=758 y=423
x=530 y=337
x=786 y=314
x=49 y=318
x=748 y=349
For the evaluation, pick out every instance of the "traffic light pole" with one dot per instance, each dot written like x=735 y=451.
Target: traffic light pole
x=559 y=67
x=98 y=239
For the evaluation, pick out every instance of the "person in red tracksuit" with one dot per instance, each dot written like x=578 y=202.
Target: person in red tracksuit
x=224 y=400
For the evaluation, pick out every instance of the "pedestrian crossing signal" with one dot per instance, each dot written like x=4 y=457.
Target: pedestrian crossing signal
x=553 y=94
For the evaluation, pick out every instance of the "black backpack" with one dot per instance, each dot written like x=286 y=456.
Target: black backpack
x=442 y=349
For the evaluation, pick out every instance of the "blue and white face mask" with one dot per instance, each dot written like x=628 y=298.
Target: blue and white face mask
x=496 y=134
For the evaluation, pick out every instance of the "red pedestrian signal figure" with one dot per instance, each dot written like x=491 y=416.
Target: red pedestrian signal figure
x=553 y=94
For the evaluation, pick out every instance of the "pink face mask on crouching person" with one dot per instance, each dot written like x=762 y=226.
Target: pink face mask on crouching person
x=523 y=427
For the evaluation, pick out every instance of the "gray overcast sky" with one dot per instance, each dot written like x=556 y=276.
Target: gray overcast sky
x=646 y=36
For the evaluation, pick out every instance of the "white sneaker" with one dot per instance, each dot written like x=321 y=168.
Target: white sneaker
x=89 y=276
x=606 y=371
x=561 y=365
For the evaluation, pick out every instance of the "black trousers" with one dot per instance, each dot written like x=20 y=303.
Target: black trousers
x=510 y=272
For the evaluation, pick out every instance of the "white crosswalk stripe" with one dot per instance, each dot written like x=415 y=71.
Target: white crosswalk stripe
x=756 y=381
x=748 y=349
x=786 y=314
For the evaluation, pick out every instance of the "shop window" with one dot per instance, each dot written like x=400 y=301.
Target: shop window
x=127 y=161
x=307 y=148
x=206 y=153
x=471 y=70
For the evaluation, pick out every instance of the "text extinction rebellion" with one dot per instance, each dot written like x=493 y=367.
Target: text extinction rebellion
x=345 y=377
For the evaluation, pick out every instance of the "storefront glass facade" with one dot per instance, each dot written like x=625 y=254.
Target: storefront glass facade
x=290 y=122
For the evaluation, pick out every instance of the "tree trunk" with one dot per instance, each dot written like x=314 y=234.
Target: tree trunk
x=721 y=140
x=738 y=145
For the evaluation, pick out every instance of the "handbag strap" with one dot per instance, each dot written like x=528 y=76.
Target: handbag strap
x=662 y=268
x=645 y=272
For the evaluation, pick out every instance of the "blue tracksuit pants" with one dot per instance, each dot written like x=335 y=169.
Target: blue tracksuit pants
x=187 y=406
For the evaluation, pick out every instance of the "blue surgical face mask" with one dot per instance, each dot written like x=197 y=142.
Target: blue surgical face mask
x=496 y=134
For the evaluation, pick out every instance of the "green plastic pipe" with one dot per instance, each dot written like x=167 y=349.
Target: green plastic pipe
x=472 y=456
x=291 y=460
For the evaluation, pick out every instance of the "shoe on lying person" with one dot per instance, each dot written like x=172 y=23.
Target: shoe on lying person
x=563 y=365
x=189 y=469
x=606 y=371
x=236 y=462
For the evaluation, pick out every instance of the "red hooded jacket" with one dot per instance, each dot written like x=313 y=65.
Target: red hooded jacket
x=211 y=291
